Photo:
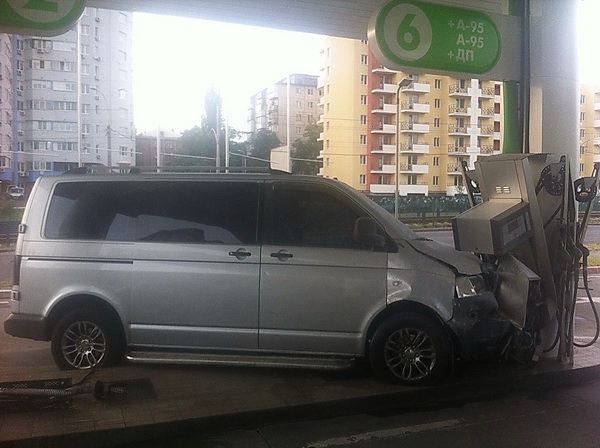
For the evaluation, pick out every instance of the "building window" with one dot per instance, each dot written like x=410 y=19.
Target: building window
x=364 y=59
x=436 y=180
x=581 y=167
x=582 y=133
x=436 y=122
x=310 y=105
x=582 y=116
x=362 y=179
x=436 y=142
x=436 y=161
x=310 y=91
x=581 y=150
x=363 y=100
x=298 y=117
x=299 y=104
x=299 y=130
x=363 y=139
x=437 y=103
x=582 y=99
x=363 y=119
x=362 y=159
x=364 y=80
x=438 y=83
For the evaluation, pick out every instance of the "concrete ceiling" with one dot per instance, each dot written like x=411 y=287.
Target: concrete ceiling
x=343 y=18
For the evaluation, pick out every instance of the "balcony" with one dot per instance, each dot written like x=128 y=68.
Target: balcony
x=456 y=90
x=597 y=106
x=486 y=130
x=455 y=129
x=414 y=107
x=382 y=70
x=416 y=87
x=385 y=169
x=320 y=156
x=403 y=190
x=321 y=136
x=597 y=122
x=487 y=92
x=455 y=110
x=414 y=148
x=385 y=88
x=384 y=149
x=452 y=190
x=454 y=149
x=487 y=112
x=487 y=149
x=407 y=127
x=384 y=128
x=454 y=169
x=321 y=119
x=408 y=168
x=385 y=108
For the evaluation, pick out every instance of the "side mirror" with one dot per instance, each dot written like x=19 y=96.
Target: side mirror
x=365 y=232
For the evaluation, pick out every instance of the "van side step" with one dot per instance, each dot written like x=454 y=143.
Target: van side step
x=317 y=363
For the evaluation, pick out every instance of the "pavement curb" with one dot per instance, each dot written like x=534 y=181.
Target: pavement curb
x=452 y=393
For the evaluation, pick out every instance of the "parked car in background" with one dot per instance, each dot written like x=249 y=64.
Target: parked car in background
x=15 y=192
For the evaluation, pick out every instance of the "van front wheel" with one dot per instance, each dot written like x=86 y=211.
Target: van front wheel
x=83 y=340
x=410 y=348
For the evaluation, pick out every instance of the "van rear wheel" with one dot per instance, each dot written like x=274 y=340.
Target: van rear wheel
x=411 y=349
x=84 y=340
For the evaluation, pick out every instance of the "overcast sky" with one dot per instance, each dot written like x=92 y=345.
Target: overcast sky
x=176 y=66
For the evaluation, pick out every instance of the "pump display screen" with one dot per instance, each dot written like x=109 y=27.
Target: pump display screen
x=493 y=227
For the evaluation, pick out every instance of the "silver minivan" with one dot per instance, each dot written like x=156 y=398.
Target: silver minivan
x=245 y=269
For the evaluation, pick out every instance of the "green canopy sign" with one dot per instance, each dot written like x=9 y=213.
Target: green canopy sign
x=39 y=17
x=413 y=34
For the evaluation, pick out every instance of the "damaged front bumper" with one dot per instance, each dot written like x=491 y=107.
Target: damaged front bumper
x=480 y=330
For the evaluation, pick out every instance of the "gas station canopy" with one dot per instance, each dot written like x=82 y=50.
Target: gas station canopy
x=343 y=18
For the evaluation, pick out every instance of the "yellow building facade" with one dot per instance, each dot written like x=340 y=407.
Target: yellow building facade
x=433 y=123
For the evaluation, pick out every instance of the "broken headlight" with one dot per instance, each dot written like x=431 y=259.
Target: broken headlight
x=470 y=286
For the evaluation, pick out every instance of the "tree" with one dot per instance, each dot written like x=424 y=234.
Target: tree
x=261 y=145
x=305 y=151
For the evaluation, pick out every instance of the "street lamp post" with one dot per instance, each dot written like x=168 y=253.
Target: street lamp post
x=405 y=82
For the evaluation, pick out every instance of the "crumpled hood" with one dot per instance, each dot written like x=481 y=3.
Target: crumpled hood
x=463 y=262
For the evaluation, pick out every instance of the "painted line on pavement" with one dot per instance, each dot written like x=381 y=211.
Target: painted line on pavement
x=384 y=434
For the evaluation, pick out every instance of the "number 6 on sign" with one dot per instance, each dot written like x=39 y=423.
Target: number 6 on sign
x=412 y=30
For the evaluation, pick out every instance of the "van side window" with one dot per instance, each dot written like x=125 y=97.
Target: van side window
x=92 y=211
x=199 y=212
x=305 y=215
x=162 y=211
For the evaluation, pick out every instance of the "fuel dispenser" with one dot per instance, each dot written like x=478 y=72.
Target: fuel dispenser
x=526 y=224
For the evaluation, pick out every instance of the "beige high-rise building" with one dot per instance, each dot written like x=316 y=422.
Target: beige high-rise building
x=435 y=122
x=269 y=107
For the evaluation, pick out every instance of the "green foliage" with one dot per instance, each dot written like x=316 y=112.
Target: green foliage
x=261 y=145
x=306 y=150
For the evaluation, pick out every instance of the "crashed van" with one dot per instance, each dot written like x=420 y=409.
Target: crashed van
x=244 y=269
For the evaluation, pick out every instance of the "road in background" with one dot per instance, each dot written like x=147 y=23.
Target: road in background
x=592 y=235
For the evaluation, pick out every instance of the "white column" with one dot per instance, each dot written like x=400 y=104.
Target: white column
x=555 y=92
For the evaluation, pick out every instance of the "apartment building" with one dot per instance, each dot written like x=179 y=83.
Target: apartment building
x=6 y=109
x=589 y=129
x=435 y=122
x=69 y=99
x=269 y=107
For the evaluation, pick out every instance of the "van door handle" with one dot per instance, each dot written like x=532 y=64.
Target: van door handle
x=282 y=255
x=240 y=254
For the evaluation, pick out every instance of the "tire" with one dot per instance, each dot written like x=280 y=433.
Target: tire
x=83 y=339
x=411 y=349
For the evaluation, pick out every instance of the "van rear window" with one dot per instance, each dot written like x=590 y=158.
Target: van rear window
x=163 y=211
